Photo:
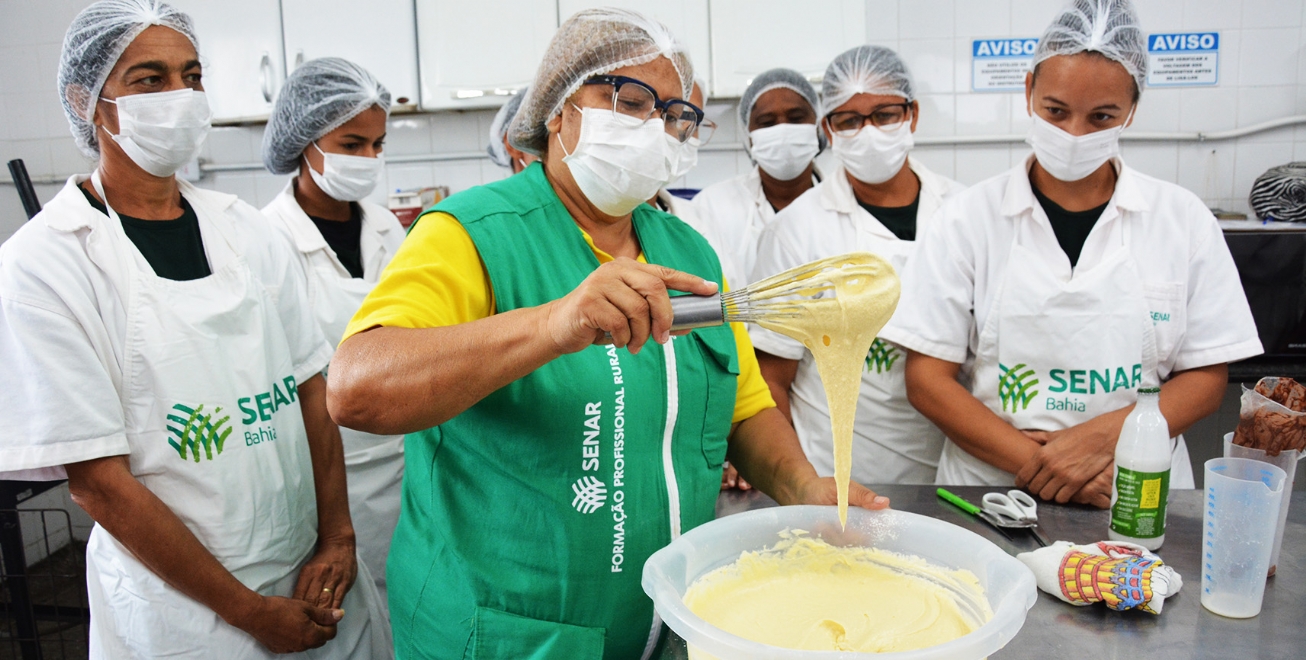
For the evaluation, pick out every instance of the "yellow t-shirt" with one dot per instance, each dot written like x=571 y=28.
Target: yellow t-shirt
x=437 y=279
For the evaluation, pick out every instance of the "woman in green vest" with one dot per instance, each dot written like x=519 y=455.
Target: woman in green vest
x=543 y=466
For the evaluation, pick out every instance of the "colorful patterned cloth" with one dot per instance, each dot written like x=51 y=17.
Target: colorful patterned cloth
x=1122 y=575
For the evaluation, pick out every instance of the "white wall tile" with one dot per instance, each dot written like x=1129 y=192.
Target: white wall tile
x=938 y=115
x=1271 y=13
x=1212 y=15
x=1207 y=170
x=408 y=134
x=726 y=116
x=1208 y=109
x=1268 y=56
x=713 y=166
x=454 y=132
x=1158 y=110
x=1029 y=18
x=1253 y=158
x=458 y=175
x=66 y=159
x=240 y=184
x=409 y=175
x=26 y=113
x=20 y=72
x=931 y=64
x=881 y=20
x=491 y=172
x=982 y=18
x=1160 y=160
x=232 y=144
x=1161 y=15
x=983 y=114
x=979 y=162
x=35 y=155
x=941 y=160
x=1260 y=104
x=267 y=186
x=925 y=19
x=1230 y=40
x=961 y=68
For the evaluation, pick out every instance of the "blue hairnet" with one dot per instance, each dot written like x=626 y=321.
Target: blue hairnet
x=590 y=43
x=1109 y=27
x=317 y=98
x=499 y=129
x=95 y=40
x=866 y=70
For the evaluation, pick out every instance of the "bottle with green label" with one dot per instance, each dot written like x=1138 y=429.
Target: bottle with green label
x=1142 y=474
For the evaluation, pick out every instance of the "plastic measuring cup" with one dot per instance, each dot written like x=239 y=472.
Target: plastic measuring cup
x=1286 y=461
x=1242 y=509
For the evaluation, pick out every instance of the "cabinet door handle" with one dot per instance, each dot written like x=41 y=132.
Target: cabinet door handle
x=299 y=58
x=265 y=76
x=465 y=94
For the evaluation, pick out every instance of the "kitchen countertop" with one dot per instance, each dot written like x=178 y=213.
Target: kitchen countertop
x=1054 y=629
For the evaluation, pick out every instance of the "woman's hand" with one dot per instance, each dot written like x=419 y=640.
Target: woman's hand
x=823 y=490
x=624 y=298
x=1068 y=460
x=289 y=625
x=730 y=479
x=327 y=576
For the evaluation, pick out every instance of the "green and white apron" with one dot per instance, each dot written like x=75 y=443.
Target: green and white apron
x=527 y=519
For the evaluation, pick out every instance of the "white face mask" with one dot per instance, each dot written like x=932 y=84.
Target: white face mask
x=162 y=131
x=874 y=155
x=785 y=150
x=1072 y=157
x=621 y=162
x=688 y=158
x=347 y=178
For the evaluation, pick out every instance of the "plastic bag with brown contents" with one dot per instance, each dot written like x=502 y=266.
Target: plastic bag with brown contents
x=1273 y=416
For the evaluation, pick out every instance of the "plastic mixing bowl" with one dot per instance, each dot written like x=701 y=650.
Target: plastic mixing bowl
x=1008 y=584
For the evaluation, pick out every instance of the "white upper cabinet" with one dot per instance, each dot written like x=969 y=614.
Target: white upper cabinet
x=240 y=47
x=751 y=36
x=475 y=53
x=687 y=20
x=378 y=35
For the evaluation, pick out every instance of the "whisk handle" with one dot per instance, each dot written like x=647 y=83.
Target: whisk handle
x=689 y=312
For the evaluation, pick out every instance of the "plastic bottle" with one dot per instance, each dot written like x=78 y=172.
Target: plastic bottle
x=1142 y=474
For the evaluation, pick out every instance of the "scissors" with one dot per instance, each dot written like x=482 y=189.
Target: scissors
x=1015 y=509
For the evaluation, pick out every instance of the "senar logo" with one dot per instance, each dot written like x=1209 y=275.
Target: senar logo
x=1015 y=387
x=881 y=357
x=197 y=429
x=590 y=494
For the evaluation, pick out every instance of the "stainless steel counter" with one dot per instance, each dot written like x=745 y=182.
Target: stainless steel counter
x=1185 y=630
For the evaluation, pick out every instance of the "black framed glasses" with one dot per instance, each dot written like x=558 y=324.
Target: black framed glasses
x=635 y=98
x=886 y=118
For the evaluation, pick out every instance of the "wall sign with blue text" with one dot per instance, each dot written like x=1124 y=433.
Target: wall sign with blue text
x=999 y=65
x=1183 y=59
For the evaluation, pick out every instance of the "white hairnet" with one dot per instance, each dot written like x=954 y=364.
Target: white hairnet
x=1109 y=27
x=776 y=79
x=93 y=44
x=592 y=42
x=318 y=97
x=499 y=129
x=866 y=70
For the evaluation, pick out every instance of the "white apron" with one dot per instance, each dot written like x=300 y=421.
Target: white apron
x=892 y=442
x=213 y=420
x=1055 y=354
x=374 y=464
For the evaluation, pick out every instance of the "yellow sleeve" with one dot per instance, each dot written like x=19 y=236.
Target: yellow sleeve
x=752 y=395
x=435 y=280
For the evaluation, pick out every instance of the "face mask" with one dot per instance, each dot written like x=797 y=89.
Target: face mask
x=621 y=162
x=874 y=155
x=163 y=131
x=347 y=178
x=688 y=158
x=1072 y=157
x=785 y=150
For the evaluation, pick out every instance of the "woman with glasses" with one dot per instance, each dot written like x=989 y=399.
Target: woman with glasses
x=779 y=109
x=1060 y=288
x=873 y=201
x=545 y=463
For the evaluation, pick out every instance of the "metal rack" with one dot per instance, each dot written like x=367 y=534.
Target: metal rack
x=44 y=613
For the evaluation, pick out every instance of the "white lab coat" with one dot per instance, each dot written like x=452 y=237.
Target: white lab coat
x=374 y=464
x=688 y=212
x=892 y=442
x=1180 y=267
x=108 y=359
x=738 y=211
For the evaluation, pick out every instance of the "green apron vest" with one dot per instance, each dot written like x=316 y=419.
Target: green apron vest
x=527 y=519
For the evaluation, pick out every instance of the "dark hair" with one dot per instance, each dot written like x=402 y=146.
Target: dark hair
x=1137 y=92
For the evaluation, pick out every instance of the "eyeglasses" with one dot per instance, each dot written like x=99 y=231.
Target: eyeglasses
x=634 y=98
x=705 y=131
x=885 y=118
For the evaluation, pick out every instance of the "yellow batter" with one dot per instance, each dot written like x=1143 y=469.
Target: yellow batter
x=807 y=594
x=859 y=292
